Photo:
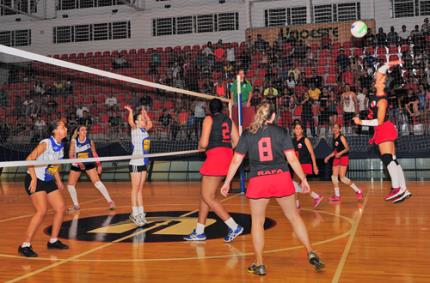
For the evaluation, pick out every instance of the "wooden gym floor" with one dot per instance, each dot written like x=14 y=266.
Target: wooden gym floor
x=371 y=241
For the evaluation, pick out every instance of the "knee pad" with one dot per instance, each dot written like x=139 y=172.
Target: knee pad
x=335 y=180
x=345 y=180
x=387 y=159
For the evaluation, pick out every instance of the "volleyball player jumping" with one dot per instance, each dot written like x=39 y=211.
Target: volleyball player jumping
x=268 y=147
x=385 y=135
x=219 y=136
x=81 y=146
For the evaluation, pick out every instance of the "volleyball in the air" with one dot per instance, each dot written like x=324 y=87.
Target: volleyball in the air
x=358 y=29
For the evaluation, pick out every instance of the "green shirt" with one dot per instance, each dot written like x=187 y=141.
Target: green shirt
x=246 y=89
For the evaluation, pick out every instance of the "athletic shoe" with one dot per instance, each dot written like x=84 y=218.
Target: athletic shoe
x=402 y=197
x=315 y=261
x=58 y=245
x=27 y=251
x=195 y=237
x=233 y=234
x=111 y=205
x=335 y=198
x=136 y=220
x=393 y=194
x=317 y=201
x=74 y=208
x=359 y=195
x=142 y=218
x=257 y=269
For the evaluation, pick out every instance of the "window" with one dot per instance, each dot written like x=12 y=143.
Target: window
x=163 y=26
x=184 y=25
x=205 y=23
x=195 y=24
x=348 y=11
x=15 y=38
x=23 y=5
x=228 y=21
x=410 y=8
x=324 y=13
x=275 y=17
x=90 y=32
x=84 y=4
x=297 y=15
x=284 y=16
x=337 y=12
x=425 y=8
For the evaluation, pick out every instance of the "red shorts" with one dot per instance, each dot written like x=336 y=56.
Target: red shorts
x=383 y=133
x=270 y=186
x=217 y=161
x=307 y=169
x=343 y=161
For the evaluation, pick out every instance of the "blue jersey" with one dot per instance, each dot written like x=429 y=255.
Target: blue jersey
x=141 y=145
x=83 y=149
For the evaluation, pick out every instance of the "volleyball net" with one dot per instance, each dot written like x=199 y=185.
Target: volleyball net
x=91 y=90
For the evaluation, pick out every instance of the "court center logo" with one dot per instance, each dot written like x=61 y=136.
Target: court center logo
x=163 y=226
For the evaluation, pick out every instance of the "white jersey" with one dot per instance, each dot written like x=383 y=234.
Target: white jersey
x=140 y=143
x=53 y=151
x=348 y=104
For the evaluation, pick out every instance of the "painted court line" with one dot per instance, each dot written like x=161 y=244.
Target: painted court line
x=30 y=274
x=348 y=246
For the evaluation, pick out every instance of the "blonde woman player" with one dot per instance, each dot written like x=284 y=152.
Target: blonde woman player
x=42 y=184
x=270 y=150
x=81 y=146
x=140 y=124
x=385 y=135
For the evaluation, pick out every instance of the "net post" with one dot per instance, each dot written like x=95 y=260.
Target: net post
x=240 y=127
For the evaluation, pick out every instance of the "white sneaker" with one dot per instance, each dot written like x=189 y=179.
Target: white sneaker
x=142 y=219
x=135 y=220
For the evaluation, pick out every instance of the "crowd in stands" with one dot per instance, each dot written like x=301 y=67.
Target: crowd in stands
x=320 y=82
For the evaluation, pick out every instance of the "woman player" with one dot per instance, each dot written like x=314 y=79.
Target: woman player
x=340 y=165
x=385 y=135
x=140 y=124
x=306 y=155
x=82 y=147
x=219 y=136
x=267 y=147
x=42 y=184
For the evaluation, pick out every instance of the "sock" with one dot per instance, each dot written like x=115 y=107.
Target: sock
x=401 y=176
x=73 y=194
x=135 y=210
x=314 y=195
x=231 y=224
x=336 y=192
x=53 y=240
x=355 y=188
x=200 y=228
x=393 y=171
x=140 y=209
x=297 y=187
x=26 y=245
x=102 y=189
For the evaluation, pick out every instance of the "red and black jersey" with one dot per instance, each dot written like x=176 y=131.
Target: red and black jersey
x=373 y=108
x=266 y=150
x=302 y=150
x=338 y=145
x=221 y=131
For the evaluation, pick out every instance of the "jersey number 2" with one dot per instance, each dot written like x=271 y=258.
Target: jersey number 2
x=265 y=149
x=225 y=132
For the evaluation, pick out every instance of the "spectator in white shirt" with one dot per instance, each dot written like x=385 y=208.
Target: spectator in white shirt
x=80 y=111
x=404 y=35
x=111 y=102
x=230 y=54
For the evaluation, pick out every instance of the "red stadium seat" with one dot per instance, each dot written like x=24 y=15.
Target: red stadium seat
x=331 y=79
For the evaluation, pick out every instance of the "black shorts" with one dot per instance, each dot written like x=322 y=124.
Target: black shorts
x=42 y=186
x=88 y=166
x=347 y=118
x=137 y=168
